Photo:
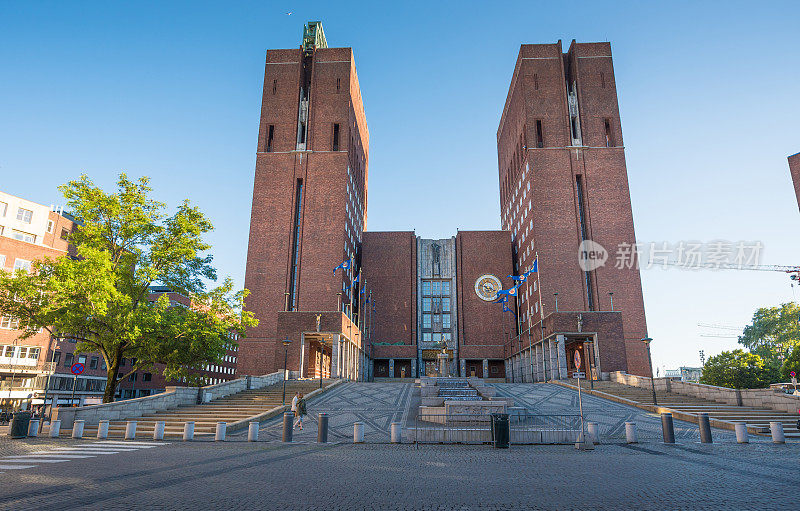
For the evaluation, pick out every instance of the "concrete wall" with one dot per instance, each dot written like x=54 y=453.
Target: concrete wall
x=757 y=398
x=172 y=398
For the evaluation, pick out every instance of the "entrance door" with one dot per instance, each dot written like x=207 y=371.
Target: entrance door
x=430 y=368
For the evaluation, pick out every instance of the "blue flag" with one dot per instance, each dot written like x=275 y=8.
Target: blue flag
x=344 y=266
x=535 y=266
x=355 y=281
x=520 y=278
x=512 y=291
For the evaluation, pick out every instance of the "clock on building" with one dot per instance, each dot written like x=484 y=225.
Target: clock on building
x=487 y=286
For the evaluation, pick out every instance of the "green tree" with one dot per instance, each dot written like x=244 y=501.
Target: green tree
x=774 y=333
x=792 y=363
x=125 y=243
x=738 y=369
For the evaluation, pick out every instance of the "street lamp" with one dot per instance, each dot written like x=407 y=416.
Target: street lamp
x=286 y=343
x=611 y=296
x=556 y=295
x=647 y=342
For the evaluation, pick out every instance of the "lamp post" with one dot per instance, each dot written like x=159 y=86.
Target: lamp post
x=647 y=342
x=556 y=295
x=611 y=297
x=286 y=343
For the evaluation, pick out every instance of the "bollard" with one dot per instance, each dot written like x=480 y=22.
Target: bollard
x=287 y=426
x=158 y=430
x=705 y=429
x=188 y=431
x=396 y=433
x=593 y=432
x=77 y=429
x=33 y=428
x=741 y=432
x=222 y=428
x=630 y=432
x=322 y=430
x=777 y=432
x=130 y=430
x=358 y=432
x=667 y=428
x=55 y=428
x=252 y=431
x=102 y=429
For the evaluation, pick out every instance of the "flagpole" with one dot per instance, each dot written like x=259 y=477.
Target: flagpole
x=541 y=313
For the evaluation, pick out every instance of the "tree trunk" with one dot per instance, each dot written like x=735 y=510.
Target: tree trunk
x=111 y=383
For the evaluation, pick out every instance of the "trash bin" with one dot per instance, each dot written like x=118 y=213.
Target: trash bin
x=501 y=430
x=19 y=425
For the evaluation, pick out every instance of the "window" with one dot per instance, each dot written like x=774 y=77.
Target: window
x=9 y=323
x=122 y=363
x=64 y=234
x=338 y=84
x=68 y=358
x=535 y=82
x=445 y=320
x=93 y=363
x=435 y=286
x=56 y=357
x=426 y=304
x=23 y=236
x=270 y=137
x=426 y=288
x=8 y=351
x=147 y=377
x=2 y=261
x=3 y=208
x=23 y=352
x=82 y=359
x=132 y=377
x=22 y=264
x=426 y=321
x=603 y=80
x=50 y=226
x=335 y=136
x=539 y=134
x=24 y=215
x=446 y=287
x=274 y=87
x=33 y=353
x=609 y=133
x=446 y=304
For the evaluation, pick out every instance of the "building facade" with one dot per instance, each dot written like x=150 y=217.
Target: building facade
x=794 y=170
x=401 y=301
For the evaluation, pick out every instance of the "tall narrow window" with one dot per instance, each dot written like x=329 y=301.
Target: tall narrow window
x=270 y=137
x=336 y=137
x=535 y=82
x=573 y=123
x=584 y=234
x=539 y=134
x=274 y=87
x=298 y=215
x=338 y=84
x=609 y=133
x=603 y=80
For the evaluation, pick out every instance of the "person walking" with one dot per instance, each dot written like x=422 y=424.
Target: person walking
x=299 y=410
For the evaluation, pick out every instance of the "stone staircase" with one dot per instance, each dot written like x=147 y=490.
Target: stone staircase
x=758 y=418
x=457 y=389
x=205 y=416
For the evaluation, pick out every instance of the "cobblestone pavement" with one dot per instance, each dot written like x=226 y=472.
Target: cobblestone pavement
x=377 y=405
x=547 y=398
x=240 y=475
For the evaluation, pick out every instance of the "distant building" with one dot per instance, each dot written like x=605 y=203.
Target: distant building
x=794 y=170
x=684 y=373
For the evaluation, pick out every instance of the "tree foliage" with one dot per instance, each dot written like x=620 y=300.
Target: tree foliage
x=792 y=363
x=738 y=369
x=773 y=333
x=124 y=244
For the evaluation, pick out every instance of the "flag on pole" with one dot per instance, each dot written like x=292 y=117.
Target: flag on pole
x=519 y=278
x=346 y=265
x=355 y=281
x=512 y=291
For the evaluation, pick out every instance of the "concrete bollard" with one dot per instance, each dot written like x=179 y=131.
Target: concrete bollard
x=102 y=429
x=158 y=430
x=77 y=429
x=33 y=428
x=188 y=431
x=630 y=432
x=396 y=433
x=593 y=432
x=252 y=431
x=222 y=428
x=741 y=432
x=322 y=428
x=777 y=432
x=705 y=428
x=130 y=430
x=287 y=426
x=55 y=428
x=667 y=428
x=358 y=432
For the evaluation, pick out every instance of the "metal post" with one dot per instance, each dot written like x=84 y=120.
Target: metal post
x=647 y=341
x=667 y=428
x=741 y=432
x=611 y=296
x=705 y=428
x=321 y=348
x=286 y=343
x=630 y=432
x=74 y=386
x=322 y=428
x=130 y=430
x=358 y=432
x=776 y=428
x=287 y=426
x=396 y=433
x=222 y=429
x=158 y=430
x=102 y=429
x=188 y=431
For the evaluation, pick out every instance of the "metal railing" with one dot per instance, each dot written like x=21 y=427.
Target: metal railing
x=525 y=428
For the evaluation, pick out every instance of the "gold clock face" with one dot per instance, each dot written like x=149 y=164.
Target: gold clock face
x=487 y=286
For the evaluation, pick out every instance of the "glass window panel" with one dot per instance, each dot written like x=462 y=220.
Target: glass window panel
x=446 y=287
x=446 y=304
x=426 y=288
x=437 y=337
x=426 y=321
x=426 y=336
x=446 y=321
x=435 y=287
x=447 y=336
x=426 y=304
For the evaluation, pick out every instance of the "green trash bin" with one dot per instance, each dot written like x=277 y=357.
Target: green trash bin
x=19 y=425
x=501 y=430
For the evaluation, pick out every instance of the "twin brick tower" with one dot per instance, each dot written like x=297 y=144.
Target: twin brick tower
x=400 y=301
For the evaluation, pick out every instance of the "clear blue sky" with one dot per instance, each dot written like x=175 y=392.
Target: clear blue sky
x=708 y=94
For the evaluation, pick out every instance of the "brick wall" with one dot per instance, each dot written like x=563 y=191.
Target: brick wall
x=794 y=170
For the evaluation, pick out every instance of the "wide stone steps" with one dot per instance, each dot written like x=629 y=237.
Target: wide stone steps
x=205 y=416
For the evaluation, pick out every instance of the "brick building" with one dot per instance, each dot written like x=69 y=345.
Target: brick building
x=794 y=169
x=405 y=299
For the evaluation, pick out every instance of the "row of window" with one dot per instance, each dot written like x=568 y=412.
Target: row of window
x=435 y=321
x=270 y=145
x=19 y=264
x=23 y=215
x=436 y=336
x=219 y=369
x=30 y=352
x=435 y=288
x=436 y=304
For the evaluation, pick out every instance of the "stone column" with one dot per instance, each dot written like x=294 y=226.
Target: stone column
x=562 y=356
x=303 y=355
x=537 y=365
x=413 y=367
x=485 y=368
x=463 y=367
x=506 y=364
x=391 y=368
x=552 y=359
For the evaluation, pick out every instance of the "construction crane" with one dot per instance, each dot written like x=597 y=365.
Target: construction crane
x=792 y=271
